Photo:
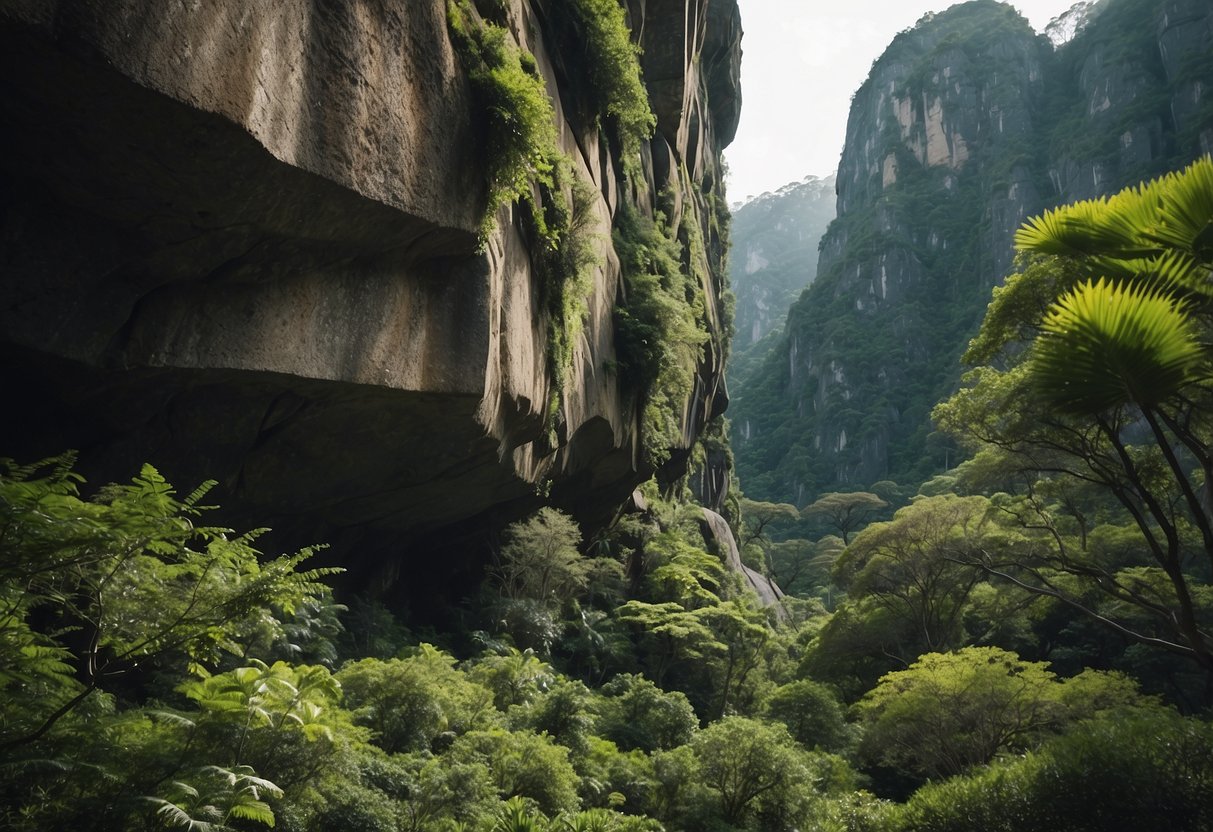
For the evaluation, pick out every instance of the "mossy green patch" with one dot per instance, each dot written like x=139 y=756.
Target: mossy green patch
x=660 y=330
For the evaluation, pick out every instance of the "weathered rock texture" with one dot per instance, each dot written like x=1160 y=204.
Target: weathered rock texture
x=239 y=242
x=968 y=124
x=719 y=537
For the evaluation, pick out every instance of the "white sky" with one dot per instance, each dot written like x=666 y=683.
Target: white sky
x=802 y=60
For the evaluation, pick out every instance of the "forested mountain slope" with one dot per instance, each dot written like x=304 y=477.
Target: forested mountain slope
x=773 y=258
x=968 y=124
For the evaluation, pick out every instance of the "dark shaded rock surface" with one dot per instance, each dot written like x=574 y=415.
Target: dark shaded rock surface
x=239 y=242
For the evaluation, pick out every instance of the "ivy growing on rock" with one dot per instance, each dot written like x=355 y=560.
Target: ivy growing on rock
x=526 y=166
x=612 y=65
x=520 y=125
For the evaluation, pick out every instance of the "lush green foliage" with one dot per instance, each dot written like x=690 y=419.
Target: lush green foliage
x=1104 y=345
x=846 y=511
x=124 y=580
x=661 y=327
x=215 y=733
x=520 y=121
x=99 y=593
x=409 y=704
x=949 y=712
x=1105 y=420
x=638 y=714
x=915 y=565
x=813 y=714
x=611 y=62
x=1149 y=771
x=526 y=166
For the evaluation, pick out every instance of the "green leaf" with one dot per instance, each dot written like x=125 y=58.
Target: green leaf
x=1105 y=345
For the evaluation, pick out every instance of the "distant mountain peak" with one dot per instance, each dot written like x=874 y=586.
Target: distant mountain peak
x=814 y=183
x=1065 y=26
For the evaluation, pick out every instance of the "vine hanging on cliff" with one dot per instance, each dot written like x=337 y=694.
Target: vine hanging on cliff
x=520 y=122
x=526 y=166
x=612 y=68
x=661 y=330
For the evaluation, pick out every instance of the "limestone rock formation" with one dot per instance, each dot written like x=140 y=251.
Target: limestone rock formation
x=968 y=124
x=240 y=242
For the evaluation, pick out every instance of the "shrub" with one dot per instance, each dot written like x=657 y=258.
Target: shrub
x=813 y=714
x=409 y=702
x=1149 y=771
x=638 y=714
x=523 y=765
x=511 y=96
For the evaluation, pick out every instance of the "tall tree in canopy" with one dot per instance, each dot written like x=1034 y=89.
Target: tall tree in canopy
x=1094 y=370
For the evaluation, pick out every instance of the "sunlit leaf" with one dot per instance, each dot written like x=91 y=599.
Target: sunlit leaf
x=1105 y=345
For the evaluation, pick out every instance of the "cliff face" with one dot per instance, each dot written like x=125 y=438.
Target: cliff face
x=773 y=258
x=240 y=242
x=968 y=124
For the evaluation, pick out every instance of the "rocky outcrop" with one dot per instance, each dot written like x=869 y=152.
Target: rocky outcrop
x=240 y=242
x=968 y=124
x=719 y=537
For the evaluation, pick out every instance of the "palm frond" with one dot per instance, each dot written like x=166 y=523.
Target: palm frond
x=1182 y=272
x=1186 y=210
x=1174 y=211
x=1106 y=226
x=1105 y=345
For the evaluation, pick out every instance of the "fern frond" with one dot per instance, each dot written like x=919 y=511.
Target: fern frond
x=174 y=816
x=173 y=718
x=254 y=810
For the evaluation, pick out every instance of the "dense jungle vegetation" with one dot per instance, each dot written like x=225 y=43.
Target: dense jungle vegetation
x=1024 y=644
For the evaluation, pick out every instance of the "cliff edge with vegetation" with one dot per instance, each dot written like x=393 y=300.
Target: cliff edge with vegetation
x=287 y=246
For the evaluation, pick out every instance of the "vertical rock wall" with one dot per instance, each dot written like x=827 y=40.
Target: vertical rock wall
x=240 y=243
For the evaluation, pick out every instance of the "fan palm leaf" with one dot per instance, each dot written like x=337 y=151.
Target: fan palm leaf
x=1179 y=272
x=1186 y=210
x=1105 y=345
x=1171 y=213
x=1094 y=227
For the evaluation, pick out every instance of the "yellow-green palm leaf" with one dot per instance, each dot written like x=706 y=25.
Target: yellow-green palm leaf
x=1168 y=214
x=1186 y=210
x=1105 y=345
x=1106 y=226
x=1176 y=271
